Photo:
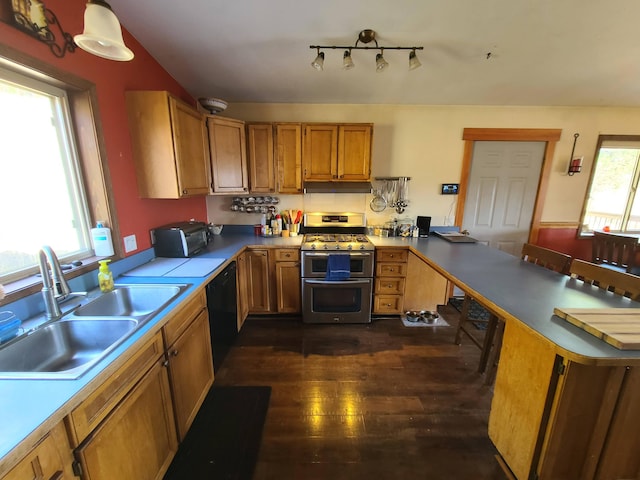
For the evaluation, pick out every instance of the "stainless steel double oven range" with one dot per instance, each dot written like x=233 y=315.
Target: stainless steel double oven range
x=336 y=301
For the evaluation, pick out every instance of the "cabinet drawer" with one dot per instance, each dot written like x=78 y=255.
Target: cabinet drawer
x=392 y=255
x=389 y=286
x=50 y=459
x=287 y=254
x=86 y=416
x=391 y=269
x=387 y=304
x=183 y=317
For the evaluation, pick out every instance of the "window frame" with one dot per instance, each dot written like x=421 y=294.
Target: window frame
x=582 y=233
x=91 y=149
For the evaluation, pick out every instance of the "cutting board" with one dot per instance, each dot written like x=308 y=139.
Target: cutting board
x=156 y=267
x=619 y=327
x=196 y=267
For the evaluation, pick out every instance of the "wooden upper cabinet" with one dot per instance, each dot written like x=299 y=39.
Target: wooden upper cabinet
x=320 y=153
x=169 y=144
x=289 y=157
x=228 y=155
x=260 y=152
x=354 y=152
x=337 y=152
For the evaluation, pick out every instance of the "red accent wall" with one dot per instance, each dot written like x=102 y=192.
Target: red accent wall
x=565 y=240
x=135 y=215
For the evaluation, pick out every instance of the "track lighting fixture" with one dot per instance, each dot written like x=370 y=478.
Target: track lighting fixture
x=365 y=36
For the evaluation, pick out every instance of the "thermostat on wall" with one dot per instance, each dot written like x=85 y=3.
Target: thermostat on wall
x=450 y=188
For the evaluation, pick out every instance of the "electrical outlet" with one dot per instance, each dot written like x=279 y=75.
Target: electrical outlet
x=130 y=244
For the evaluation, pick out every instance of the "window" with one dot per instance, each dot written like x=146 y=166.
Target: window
x=41 y=192
x=75 y=111
x=611 y=198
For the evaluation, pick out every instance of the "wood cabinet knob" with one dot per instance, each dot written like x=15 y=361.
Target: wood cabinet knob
x=165 y=363
x=175 y=353
x=185 y=191
x=389 y=286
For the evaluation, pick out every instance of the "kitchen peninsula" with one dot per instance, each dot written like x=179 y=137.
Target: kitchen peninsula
x=548 y=366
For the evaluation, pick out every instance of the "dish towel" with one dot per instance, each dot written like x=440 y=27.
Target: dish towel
x=338 y=267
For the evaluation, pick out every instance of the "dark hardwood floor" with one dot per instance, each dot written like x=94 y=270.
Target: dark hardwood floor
x=380 y=401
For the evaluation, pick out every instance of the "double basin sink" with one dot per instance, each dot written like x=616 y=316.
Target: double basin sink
x=68 y=347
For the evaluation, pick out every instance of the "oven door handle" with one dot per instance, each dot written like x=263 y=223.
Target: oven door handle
x=333 y=252
x=359 y=281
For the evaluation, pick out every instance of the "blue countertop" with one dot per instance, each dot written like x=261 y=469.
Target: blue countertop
x=30 y=408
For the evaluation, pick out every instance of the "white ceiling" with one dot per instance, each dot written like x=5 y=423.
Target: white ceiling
x=543 y=52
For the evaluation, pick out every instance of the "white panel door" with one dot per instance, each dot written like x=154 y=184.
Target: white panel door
x=502 y=192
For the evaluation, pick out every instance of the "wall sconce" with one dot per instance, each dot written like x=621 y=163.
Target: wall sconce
x=365 y=36
x=575 y=163
x=102 y=35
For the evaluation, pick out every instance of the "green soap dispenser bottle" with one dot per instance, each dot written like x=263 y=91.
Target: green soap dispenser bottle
x=105 y=277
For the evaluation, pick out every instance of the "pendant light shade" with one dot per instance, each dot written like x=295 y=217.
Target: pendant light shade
x=413 y=61
x=381 y=63
x=318 y=63
x=347 y=61
x=102 y=34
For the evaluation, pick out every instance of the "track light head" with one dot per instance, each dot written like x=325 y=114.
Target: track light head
x=413 y=61
x=347 y=61
x=318 y=63
x=381 y=63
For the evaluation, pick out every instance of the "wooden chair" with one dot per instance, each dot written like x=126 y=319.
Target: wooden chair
x=615 y=251
x=621 y=283
x=556 y=261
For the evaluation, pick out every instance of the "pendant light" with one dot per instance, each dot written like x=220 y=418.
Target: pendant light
x=347 y=61
x=102 y=34
x=413 y=61
x=318 y=63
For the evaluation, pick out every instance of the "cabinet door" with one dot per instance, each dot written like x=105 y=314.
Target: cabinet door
x=258 y=285
x=320 y=153
x=190 y=149
x=354 y=152
x=289 y=157
x=261 y=165
x=138 y=439
x=228 y=155
x=191 y=371
x=288 y=286
x=243 y=300
x=50 y=459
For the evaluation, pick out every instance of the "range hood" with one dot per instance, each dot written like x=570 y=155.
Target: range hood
x=337 y=187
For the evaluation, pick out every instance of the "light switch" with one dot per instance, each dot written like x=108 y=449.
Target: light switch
x=130 y=244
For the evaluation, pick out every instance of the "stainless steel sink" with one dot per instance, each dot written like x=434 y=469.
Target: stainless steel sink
x=64 y=348
x=131 y=301
x=68 y=347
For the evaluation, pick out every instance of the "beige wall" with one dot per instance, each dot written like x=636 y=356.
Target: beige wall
x=424 y=142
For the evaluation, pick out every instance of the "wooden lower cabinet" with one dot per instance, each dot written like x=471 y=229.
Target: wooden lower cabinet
x=389 y=285
x=258 y=281
x=553 y=418
x=241 y=288
x=190 y=371
x=50 y=459
x=138 y=439
x=425 y=288
x=272 y=280
x=286 y=270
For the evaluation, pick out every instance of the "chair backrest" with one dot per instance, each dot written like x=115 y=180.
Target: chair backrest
x=620 y=283
x=614 y=250
x=545 y=257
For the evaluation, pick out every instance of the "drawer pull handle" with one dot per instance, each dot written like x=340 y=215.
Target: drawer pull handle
x=175 y=353
x=165 y=363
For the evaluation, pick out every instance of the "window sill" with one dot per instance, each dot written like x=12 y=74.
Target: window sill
x=33 y=284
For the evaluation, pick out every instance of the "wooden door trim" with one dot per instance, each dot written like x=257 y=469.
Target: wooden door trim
x=548 y=135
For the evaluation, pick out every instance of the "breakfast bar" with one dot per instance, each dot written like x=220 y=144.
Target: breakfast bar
x=565 y=403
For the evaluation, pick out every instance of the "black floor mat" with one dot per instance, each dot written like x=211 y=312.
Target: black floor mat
x=224 y=440
x=476 y=311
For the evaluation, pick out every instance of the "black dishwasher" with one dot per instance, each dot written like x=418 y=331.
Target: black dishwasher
x=223 y=323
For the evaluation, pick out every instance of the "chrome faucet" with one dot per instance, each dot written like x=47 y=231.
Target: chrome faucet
x=55 y=288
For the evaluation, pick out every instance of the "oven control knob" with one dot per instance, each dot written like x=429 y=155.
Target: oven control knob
x=338 y=247
x=361 y=247
x=326 y=247
x=350 y=247
x=313 y=246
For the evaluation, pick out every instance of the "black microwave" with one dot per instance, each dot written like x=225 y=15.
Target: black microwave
x=180 y=240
